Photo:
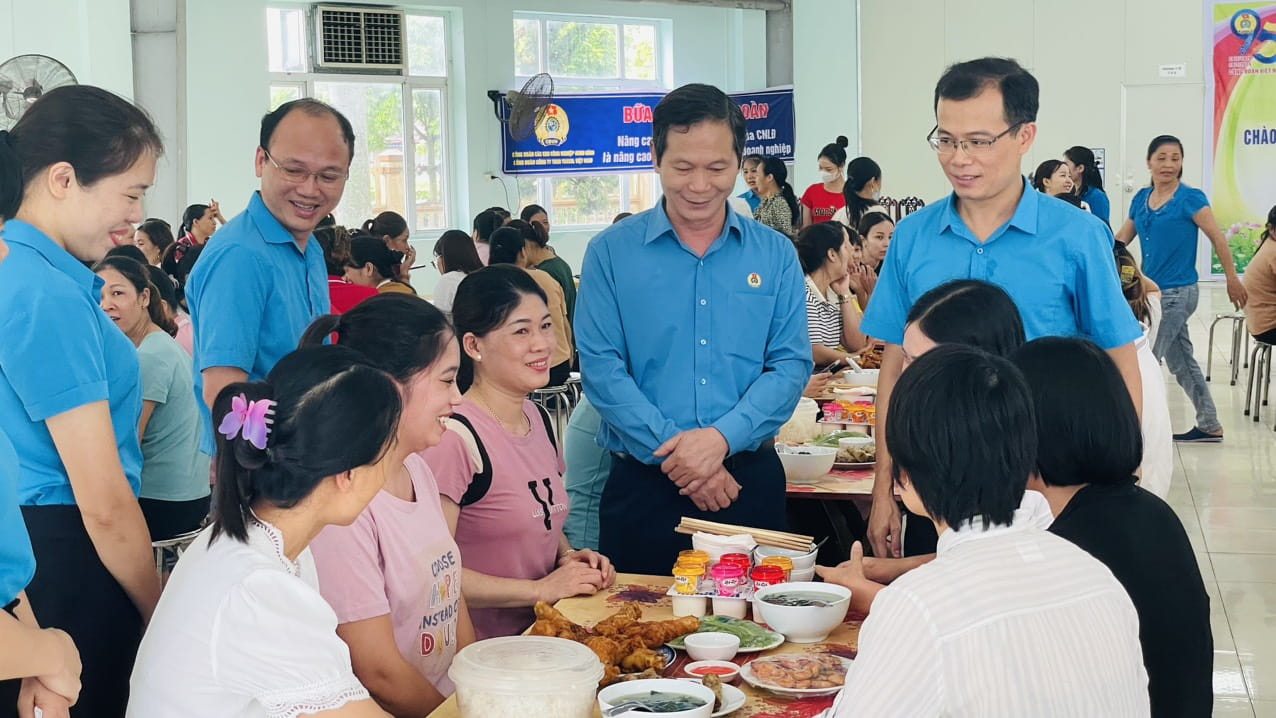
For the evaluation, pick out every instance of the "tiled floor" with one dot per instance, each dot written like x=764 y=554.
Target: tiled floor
x=1226 y=495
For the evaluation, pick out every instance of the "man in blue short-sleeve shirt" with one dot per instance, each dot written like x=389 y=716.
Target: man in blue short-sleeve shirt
x=1054 y=260
x=691 y=326
x=262 y=280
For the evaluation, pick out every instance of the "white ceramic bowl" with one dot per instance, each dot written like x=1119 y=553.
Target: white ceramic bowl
x=802 y=574
x=855 y=442
x=866 y=377
x=802 y=560
x=806 y=463
x=712 y=646
x=804 y=624
x=611 y=695
x=691 y=668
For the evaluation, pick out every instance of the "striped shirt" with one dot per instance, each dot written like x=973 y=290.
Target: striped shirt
x=1006 y=621
x=823 y=318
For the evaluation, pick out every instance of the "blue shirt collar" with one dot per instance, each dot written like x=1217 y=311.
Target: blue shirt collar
x=270 y=228
x=1024 y=219
x=659 y=225
x=18 y=232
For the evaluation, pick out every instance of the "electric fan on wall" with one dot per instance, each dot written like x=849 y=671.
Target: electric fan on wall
x=526 y=106
x=24 y=79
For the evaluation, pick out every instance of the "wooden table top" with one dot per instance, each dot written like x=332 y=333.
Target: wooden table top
x=844 y=485
x=649 y=593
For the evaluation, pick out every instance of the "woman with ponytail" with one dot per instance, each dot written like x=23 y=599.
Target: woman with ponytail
x=174 y=493
x=779 y=208
x=375 y=265
x=398 y=561
x=392 y=229
x=861 y=192
x=499 y=466
x=1088 y=181
x=242 y=629
x=72 y=174
x=823 y=199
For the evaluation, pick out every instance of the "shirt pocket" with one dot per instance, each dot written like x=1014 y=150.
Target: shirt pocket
x=745 y=336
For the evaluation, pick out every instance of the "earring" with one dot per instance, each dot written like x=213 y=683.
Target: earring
x=478 y=357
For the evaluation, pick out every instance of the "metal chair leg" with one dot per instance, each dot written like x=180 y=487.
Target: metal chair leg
x=1209 y=349
x=1249 y=383
x=1267 y=369
x=1238 y=328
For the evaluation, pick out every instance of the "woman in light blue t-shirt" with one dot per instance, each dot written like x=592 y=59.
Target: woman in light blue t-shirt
x=175 y=487
x=1167 y=217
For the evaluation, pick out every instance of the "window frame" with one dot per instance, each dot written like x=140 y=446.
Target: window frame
x=407 y=83
x=627 y=179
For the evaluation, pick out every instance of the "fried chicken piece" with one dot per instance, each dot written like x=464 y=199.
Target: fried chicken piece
x=550 y=622
x=642 y=659
x=611 y=674
x=714 y=683
x=616 y=624
x=649 y=673
x=608 y=651
x=653 y=634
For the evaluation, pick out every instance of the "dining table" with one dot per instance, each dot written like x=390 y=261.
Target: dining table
x=649 y=593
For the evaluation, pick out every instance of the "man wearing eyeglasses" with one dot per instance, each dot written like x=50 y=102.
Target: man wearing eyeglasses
x=260 y=283
x=1053 y=259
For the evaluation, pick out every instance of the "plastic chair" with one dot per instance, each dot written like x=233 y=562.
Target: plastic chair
x=1260 y=378
x=1240 y=344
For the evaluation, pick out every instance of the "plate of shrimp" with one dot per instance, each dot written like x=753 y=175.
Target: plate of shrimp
x=798 y=674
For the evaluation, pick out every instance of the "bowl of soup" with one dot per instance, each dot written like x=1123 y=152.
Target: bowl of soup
x=667 y=697
x=805 y=612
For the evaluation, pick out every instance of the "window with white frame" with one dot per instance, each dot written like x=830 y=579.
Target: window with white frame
x=400 y=121
x=590 y=54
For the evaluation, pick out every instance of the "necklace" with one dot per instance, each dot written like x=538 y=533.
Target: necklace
x=524 y=427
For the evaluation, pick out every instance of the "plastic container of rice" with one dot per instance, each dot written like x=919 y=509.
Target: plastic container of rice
x=526 y=676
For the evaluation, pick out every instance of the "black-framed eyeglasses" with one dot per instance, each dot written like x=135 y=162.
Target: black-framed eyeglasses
x=297 y=174
x=944 y=145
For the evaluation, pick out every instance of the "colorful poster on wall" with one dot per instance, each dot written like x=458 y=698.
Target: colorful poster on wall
x=611 y=132
x=1241 y=122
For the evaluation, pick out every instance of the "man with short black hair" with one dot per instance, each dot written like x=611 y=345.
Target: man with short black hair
x=1055 y=261
x=1008 y=620
x=254 y=290
x=692 y=332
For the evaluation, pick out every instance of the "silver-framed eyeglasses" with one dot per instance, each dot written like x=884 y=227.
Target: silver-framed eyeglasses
x=945 y=145
x=296 y=174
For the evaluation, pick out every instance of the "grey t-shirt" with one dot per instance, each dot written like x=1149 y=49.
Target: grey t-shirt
x=173 y=469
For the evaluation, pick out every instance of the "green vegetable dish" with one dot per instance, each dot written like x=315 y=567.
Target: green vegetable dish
x=662 y=702
x=752 y=636
x=830 y=440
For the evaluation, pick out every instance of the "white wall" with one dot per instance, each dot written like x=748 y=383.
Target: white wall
x=91 y=37
x=825 y=70
x=1088 y=55
x=226 y=84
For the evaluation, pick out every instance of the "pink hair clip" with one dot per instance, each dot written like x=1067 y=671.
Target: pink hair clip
x=251 y=419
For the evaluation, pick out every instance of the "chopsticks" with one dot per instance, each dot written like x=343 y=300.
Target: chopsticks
x=764 y=537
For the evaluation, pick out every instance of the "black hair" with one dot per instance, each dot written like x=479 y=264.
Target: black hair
x=530 y=211
x=335 y=241
x=859 y=172
x=456 y=249
x=373 y=250
x=756 y=159
x=871 y=220
x=504 y=213
x=1084 y=157
x=1020 y=93
x=972 y=313
x=484 y=301
x=1160 y=141
x=532 y=231
x=319 y=393
x=486 y=222
x=835 y=151
x=159 y=234
x=193 y=214
x=1267 y=232
x=961 y=425
x=386 y=224
x=690 y=105
x=98 y=133
x=1088 y=431
x=311 y=107
x=134 y=272
x=815 y=241
x=163 y=284
x=622 y=215
x=775 y=167
x=131 y=251
x=505 y=244
x=327 y=221
x=1043 y=172
x=400 y=334
x=857 y=240
x=1070 y=198
x=1132 y=283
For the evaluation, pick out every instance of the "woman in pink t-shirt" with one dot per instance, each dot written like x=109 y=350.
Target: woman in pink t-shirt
x=499 y=468
x=393 y=577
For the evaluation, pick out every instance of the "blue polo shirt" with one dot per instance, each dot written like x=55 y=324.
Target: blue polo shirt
x=1053 y=259
x=17 y=563
x=752 y=198
x=252 y=294
x=59 y=352
x=1169 y=235
x=1099 y=205
x=671 y=341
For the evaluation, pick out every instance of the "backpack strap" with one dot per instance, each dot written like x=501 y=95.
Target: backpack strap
x=549 y=428
x=482 y=481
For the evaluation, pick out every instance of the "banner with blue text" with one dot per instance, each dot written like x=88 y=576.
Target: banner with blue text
x=611 y=132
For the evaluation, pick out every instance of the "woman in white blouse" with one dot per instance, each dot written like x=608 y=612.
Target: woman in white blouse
x=241 y=629
x=454 y=258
